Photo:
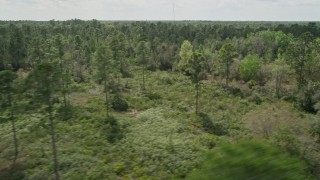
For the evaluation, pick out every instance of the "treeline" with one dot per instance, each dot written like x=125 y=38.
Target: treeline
x=19 y=39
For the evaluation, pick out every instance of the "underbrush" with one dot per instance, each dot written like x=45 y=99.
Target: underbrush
x=153 y=133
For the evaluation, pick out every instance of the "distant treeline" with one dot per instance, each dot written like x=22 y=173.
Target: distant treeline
x=18 y=38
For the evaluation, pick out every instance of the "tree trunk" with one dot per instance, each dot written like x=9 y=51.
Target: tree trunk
x=121 y=66
x=106 y=89
x=143 y=83
x=15 y=140
x=64 y=88
x=65 y=98
x=227 y=73
x=53 y=141
x=14 y=131
x=278 y=84
x=301 y=73
x=197 y=97
x=63 y=83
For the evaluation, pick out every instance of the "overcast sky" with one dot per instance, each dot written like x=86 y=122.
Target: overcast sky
x=258 y=10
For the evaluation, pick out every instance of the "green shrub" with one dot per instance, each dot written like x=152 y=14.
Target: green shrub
x=111 y=129
x=315 y=130
x=13 y=173
x=255 y=98
x=289 y=98
x=234 y=91
x=250 y=67
x=119 y=104
x=65 y=113
x=140 y=102
x=252 y=83
x=208 y=141
x=250 y=160
x=286 y=139
x=309 y=96
x=165 y=79
x=152 y=95
x=211 y=127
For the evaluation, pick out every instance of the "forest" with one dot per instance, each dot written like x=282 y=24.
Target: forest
x=159 y=100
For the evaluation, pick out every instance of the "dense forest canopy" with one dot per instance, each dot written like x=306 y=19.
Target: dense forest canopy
x=159 y=99
x=172 y=34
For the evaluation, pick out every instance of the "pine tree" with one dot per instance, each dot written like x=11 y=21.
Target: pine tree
x=227 y=53
x=105 y=68
x=143 y=58
x=195 y=68
x=45 y=80
x=6 y=91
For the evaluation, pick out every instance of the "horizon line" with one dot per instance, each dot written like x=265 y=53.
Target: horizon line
x=161 y=20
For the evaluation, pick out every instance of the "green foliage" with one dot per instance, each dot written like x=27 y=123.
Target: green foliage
x=113 y=130
x=161 y=144
x=251 y=83
x=143 y=59
x=250 y=67
x=234 y=91
x=185 y=55
x=249 y=160
x=196 y=66
x=120 y=104
x=118 y=46
x=227 y=53
x=17 y=48
x=280 y=70
x=143 y=53
x=45 y=80
x=139 y=102
x=103 y=62
x=65 y=112
x=308 y=97
x=286 y=139
x=6 y=79
x=299 y=54
x=210 y=126
x=152 y=95
x=255 y=98
x=158 y=137
x=166 y=79
x=315 y=130
x=7 y=88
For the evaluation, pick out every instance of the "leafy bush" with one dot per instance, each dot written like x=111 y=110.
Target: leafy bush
x=208 y=141
x=252 y=83
x=119 y=104
x=111 y=129
x=152 y=95
x=211 y=127
x=65 y=113
x=165 y=79
x=140 y=102
x=13 y=173
x=155 y=147
x=250 y=67
x=289 y=98
x=309 y=96
x=234 y=91
x=255 y=98
x=315 y=130
x=250 y=160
